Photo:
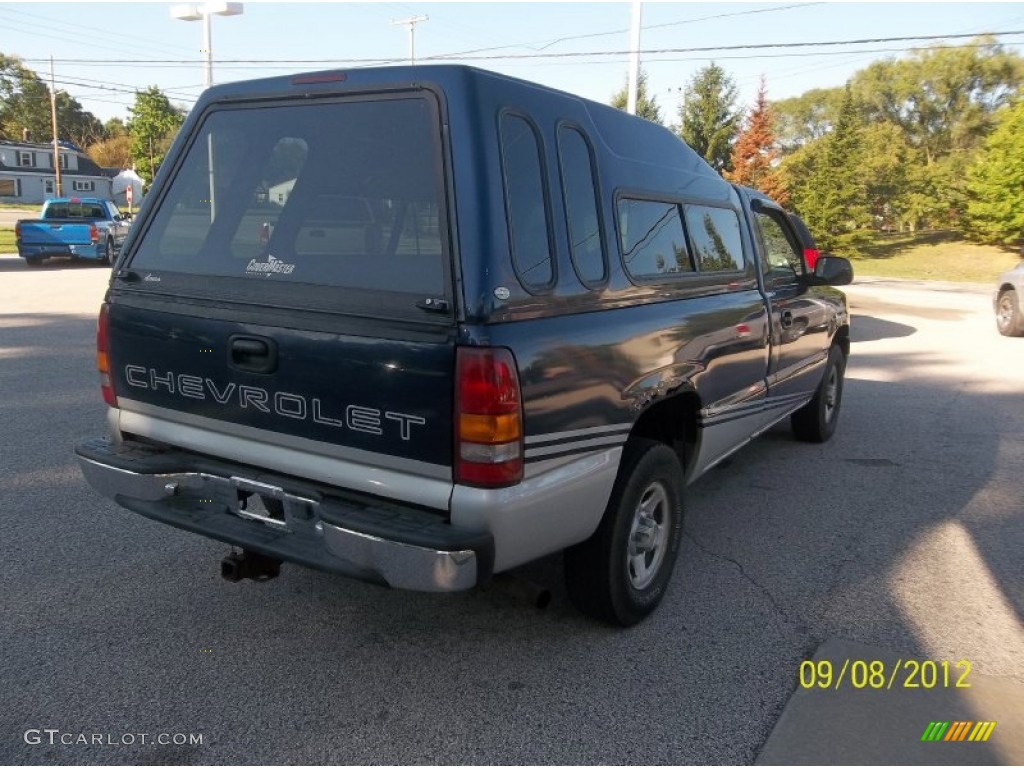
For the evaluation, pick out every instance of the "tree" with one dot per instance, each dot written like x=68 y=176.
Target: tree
x=112 y=153
x=995 y=205
x=943 y=98
x=154 y=122
x=646 y=106
x=114 y=127
x=754 y=157
x=830 y=193
x=708 y=115
x=24 y=102
x=74 y=123
x=806 y=118
x=886 y=163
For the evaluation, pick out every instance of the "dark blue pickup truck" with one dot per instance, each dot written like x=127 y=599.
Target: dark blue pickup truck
x=423 y=325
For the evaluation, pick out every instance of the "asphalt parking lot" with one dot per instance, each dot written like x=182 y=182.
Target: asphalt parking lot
x=903 y=534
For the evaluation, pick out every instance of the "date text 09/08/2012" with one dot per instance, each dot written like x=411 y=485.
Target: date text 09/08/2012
x=873 y=674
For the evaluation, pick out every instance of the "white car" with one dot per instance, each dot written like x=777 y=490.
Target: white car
x=1009 y=301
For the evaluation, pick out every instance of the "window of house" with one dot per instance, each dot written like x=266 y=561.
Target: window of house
x=579 y=190
x=26 y=159
x=529 y=227
x=10 y=188
x=83 y=186
x=652 y=239
x=48 y=186
x=715 y=234
x=63 y=162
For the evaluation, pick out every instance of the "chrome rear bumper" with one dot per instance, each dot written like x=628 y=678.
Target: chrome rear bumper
x=403 y=547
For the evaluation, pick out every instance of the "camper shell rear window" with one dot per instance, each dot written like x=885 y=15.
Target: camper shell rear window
x=343 y=194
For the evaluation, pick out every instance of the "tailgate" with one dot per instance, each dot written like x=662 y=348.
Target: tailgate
x=291 y=286
x=55 y=233
x=367 y=400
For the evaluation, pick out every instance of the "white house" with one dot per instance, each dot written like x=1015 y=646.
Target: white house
x=27 y=173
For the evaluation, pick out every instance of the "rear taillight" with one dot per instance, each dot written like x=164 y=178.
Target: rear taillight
x=94 y=234
x=810 y=258
x=488 y=418
x=103 y=357
x=17 y=230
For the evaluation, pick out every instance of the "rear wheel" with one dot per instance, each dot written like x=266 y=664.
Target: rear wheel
x=34 y=262
x=1008 y=315
x=816 y=421
x=620 y=574
x=108 y=253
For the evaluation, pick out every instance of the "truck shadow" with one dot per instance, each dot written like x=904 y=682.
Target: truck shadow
x=17 y=264
x=868 y=328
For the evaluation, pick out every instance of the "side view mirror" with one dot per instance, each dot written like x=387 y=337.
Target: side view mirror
x=833 y=270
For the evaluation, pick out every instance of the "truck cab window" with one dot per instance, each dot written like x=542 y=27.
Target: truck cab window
x=782 y=258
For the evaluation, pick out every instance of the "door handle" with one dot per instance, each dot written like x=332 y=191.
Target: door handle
x=253 y=354
x=786 y=321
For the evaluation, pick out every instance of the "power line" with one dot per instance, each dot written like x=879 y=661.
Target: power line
x=262 y=63
x=78 y=27
x=548 y=44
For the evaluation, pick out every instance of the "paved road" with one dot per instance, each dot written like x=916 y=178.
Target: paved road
x=904 y=532
x=8 y=217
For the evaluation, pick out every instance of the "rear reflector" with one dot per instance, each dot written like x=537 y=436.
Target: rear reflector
x=103 y=357
x=489 y=423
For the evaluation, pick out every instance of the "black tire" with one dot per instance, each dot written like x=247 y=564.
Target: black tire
x=108 y=254
x=34 y=262
x=816 y=422
x=1009 y=321
x=621 y=573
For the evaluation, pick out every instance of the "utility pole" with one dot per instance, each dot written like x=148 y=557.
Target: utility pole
x=53 y=121
x=634 y=60
x=411 y=22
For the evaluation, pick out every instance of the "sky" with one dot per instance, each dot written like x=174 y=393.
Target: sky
x=103 y=51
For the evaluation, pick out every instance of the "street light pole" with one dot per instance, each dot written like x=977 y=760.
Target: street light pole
x=204 y=12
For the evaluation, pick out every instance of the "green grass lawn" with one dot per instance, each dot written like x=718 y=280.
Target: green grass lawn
x=933 y=256
x=925 y=256
x=18 y=207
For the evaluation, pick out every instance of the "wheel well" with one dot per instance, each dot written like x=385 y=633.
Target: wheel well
x=1004 y=288
x=673 y=422
x=842 y=338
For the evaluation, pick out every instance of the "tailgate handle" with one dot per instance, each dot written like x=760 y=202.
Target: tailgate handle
x=251 y=353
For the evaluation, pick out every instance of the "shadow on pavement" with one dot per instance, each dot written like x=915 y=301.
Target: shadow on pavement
x=868 y=328
x=59 y=264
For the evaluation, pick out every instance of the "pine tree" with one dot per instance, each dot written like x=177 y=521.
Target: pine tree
x=754 y=156
x=832 y=195
x=995 y=206
x=709 y=117
x=646 y=106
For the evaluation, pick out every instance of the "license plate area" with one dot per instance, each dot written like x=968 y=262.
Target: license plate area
x=267 y=504
x=252 y=506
